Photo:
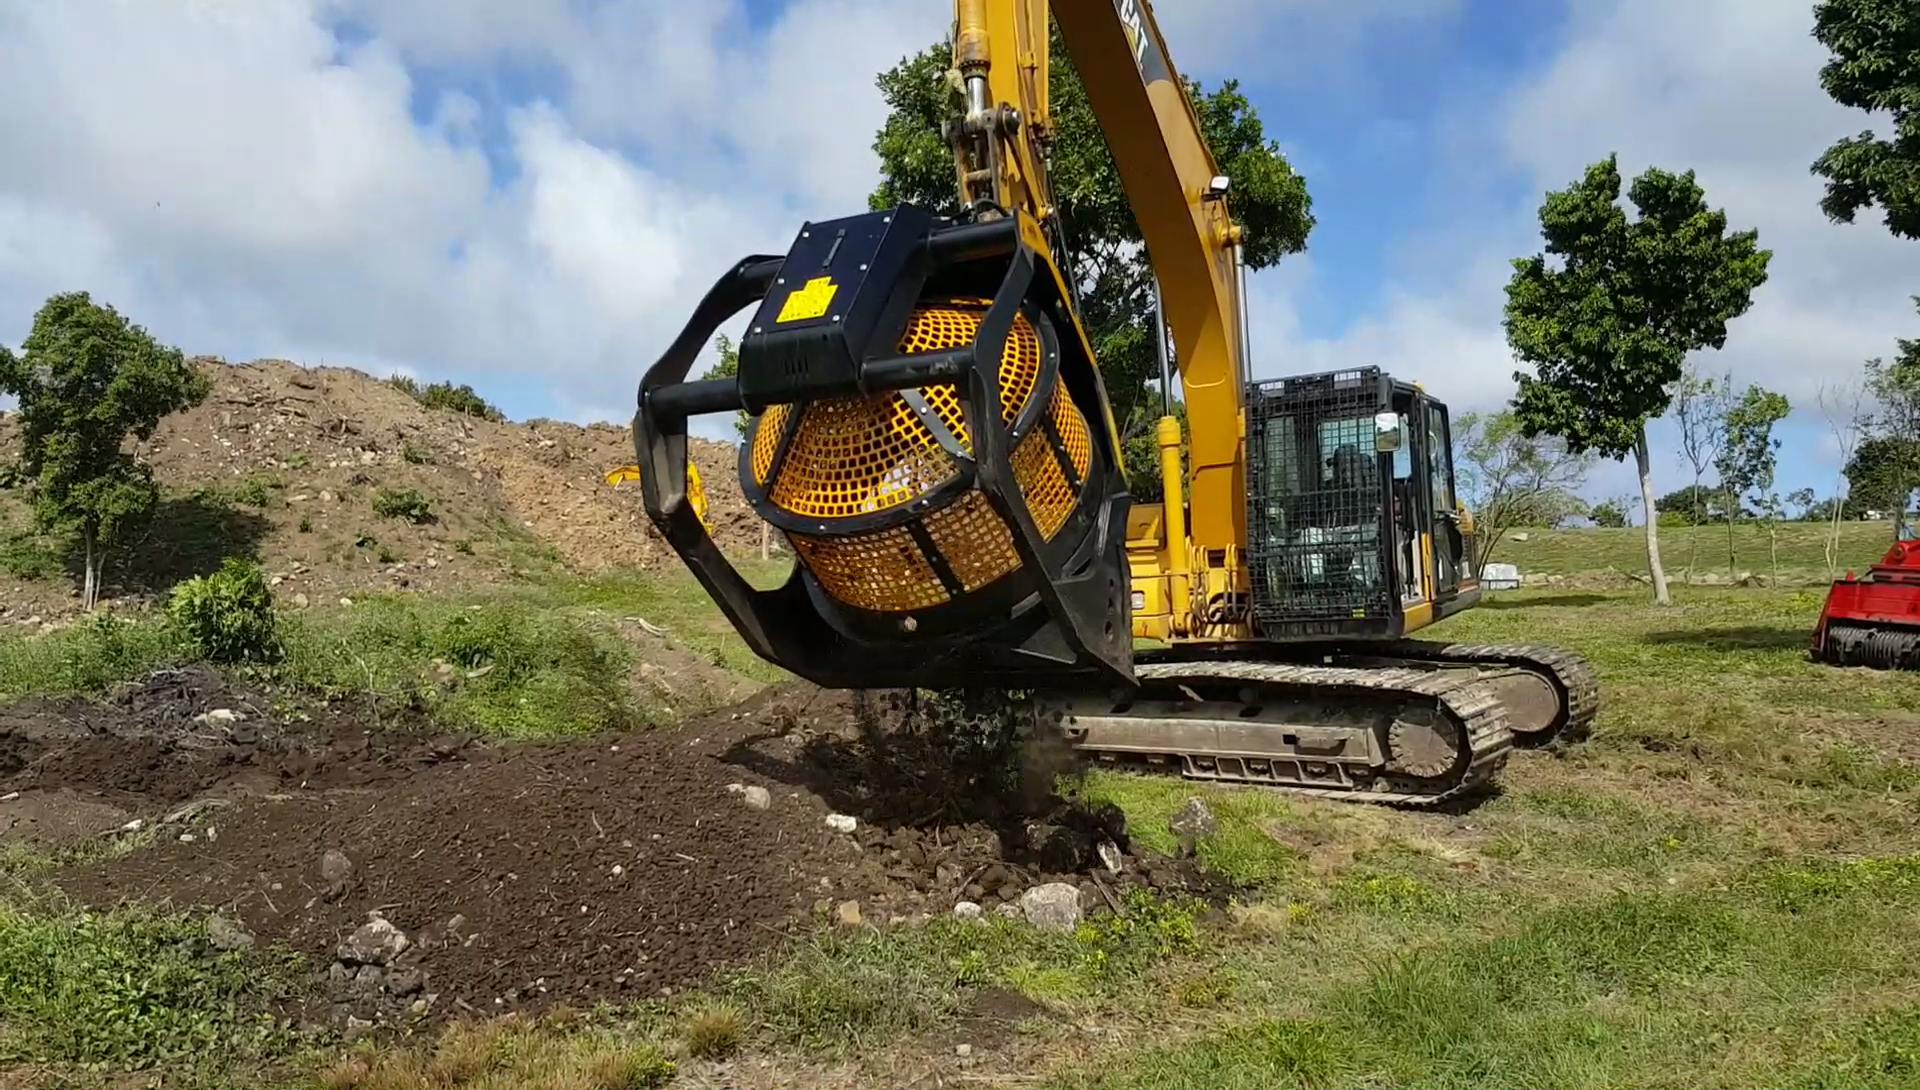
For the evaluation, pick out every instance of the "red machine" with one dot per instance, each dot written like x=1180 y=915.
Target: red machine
x=1874 y=621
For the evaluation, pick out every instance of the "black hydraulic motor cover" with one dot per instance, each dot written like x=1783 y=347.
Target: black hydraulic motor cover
x=843 y=294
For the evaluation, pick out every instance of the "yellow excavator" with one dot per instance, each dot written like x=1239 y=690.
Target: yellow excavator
x=932 y=434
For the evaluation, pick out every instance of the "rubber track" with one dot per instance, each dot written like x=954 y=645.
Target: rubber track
x=1472 y=705
x=1571 y=672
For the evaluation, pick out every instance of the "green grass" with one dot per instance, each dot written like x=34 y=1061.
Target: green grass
x=1708 y=893
x=1802 y=550
x=130 y=990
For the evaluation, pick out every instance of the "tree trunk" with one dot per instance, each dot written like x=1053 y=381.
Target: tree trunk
x=1733 y=561
x=1773 y=550
x=1693 y=533
x=1645 y=461
x=91 y=581
x=766 y=537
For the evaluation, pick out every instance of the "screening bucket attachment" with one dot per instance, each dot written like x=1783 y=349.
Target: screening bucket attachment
x=931 y=436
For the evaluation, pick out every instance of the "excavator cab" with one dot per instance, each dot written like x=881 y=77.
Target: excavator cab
x=1353 y=523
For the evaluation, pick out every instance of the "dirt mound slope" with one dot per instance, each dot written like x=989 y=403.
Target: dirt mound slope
x=286 y=462
x=431 y=875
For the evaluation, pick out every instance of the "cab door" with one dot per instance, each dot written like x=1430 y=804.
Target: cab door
x=1449 y=545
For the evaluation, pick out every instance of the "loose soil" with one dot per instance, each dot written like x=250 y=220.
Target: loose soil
x=531 y=875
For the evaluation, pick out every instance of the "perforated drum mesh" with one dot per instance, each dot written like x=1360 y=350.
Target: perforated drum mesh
x=857 y=456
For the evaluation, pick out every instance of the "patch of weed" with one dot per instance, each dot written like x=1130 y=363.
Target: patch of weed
x=130 y=989
x=406 y=504
x=89 y=657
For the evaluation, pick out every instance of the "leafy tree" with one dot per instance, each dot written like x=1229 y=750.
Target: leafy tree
x=1895 y=423
x=728 y=367
x=1881 y=475
x=1700 y=406
x=1695 y=505
x=1806 y=500
x=1874 y=66
x=1108 y=263
x=1611 y=514
x=1609 y=326
x=1511 y=479
x=86 y=380
x=1747 y=464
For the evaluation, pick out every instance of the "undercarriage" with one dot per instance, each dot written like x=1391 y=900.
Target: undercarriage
x=1409 y=723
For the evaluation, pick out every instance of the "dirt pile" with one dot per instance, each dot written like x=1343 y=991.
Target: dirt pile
x=431 y=875
x=286 y=462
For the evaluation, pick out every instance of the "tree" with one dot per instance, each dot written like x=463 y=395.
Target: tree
x=1700 y=405
x=1895 y=422
x=1611 y=514
x=1840 y=404
x=1806 y=500
x=728 y=367
x=1874 y=66
x=1881 y=475
x=1747 y=464
x=1609 y=329
x=86 y=380
x=1108 y=263
x=1695 y=505
x=1511 y=479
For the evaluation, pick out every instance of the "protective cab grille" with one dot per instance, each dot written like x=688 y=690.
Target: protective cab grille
x=1315 y=500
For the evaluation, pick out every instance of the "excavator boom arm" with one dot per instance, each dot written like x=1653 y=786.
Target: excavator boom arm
x=1171 y=181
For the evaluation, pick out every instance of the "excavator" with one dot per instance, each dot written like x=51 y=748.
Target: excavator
x=932 y=433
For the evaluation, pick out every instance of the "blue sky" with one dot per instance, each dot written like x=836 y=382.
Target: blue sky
x=529 y=195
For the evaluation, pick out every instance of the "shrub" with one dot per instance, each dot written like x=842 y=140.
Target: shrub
x=403 y=503
x=416 y=455
x=228 y=615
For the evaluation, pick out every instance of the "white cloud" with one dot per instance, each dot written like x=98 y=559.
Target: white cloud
x=241 y=182
x=1728 y=88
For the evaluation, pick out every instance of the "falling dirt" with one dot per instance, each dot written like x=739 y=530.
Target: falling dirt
x=519 y=877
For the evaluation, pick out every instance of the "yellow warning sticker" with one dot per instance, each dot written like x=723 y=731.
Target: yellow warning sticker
x=810 y=301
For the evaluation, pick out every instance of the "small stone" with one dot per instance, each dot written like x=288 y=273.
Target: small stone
x=848 y=914
x=1052 y=907
x=1109 y=855
x=377 y=942
x=968 y=910
x=9 y=796
x=357 y=1027
x=432 y=563
x=346 y=601
x=1009 y=910
x=301 y=601
x=187 y=838
x=1192 y=824
x=756 y=798
x=339 y=976
x=367 y=981
x=225 y=934
x=405 y=982
x=276 y=580
x=963 y=1051
x=419 y=1006
x=133 y=826
x=841 y=823
x=326 y=497
x=335 y=867
x=218 y=717
x=618 y=870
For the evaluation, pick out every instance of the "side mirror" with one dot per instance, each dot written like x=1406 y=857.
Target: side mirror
x=1386 y=433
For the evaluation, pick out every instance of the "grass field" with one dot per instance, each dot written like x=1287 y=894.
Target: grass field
x=1801 y=550
x=1716 y=890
